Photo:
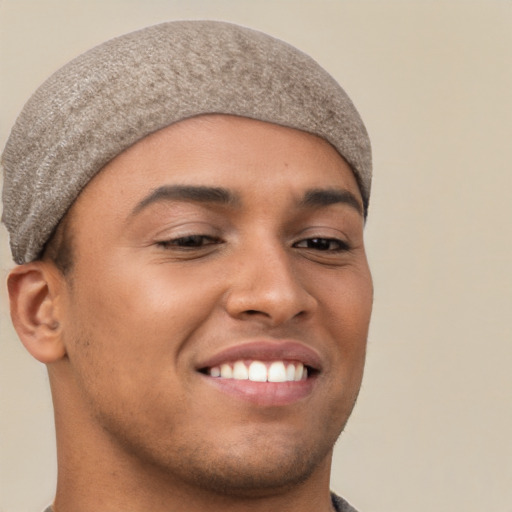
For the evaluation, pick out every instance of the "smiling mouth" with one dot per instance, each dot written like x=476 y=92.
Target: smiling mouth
x=264 y=373
x=260 y=371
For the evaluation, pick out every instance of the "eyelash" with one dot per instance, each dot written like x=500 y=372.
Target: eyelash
x=191 y=242
x=324 y=244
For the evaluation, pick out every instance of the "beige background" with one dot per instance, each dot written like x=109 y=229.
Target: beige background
x=433 y=81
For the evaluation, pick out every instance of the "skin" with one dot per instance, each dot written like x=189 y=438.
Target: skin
x=124 y=332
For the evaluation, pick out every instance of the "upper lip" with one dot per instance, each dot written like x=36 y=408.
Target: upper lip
x=266 y=350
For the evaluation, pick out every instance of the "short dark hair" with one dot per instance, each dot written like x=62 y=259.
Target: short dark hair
x=59 y=248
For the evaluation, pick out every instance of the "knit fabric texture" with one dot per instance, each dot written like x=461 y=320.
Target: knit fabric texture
x=110 y=97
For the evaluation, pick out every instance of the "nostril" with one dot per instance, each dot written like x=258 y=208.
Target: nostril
x=255 y=312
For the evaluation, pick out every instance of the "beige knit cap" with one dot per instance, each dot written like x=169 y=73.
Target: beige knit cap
x=110 y=97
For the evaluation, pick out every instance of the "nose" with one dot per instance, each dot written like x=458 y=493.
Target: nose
x=266 y=285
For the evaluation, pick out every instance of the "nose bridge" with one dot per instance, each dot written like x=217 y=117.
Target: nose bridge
x=266 y=283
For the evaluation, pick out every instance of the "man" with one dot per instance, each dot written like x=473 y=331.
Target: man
x=186 y=206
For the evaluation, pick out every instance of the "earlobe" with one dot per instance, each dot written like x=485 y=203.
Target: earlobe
x=34 y=299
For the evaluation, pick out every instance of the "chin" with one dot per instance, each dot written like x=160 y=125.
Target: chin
x=258 y=467
x=268 y=477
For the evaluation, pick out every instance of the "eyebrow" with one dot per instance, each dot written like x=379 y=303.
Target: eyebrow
x=326 y=197
x=199 y=194
x=222 y=196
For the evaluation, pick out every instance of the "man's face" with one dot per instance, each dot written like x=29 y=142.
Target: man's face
x=212 y=244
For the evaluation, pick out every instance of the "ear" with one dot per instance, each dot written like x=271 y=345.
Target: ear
x=34 y=294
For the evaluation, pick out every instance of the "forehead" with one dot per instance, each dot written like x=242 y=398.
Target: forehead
x=238 y=153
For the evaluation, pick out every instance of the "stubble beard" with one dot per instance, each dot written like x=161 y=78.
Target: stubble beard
x=255 y=468
x=194 y=469
x=270 y=473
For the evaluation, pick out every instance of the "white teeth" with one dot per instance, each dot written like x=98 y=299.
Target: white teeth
x=258 y=371
x=299 y=369
x=240 y=371
x=226 y=372
x=290 y=372
x=277 y=372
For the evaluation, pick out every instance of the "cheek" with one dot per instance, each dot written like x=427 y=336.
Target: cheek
x=347 y=299
x=138 y=299
x=346 y=305
x=128 y=328
x=132 y=320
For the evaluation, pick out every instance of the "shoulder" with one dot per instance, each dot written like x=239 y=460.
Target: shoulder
x=340 y=505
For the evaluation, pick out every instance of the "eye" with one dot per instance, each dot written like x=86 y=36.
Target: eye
x=323 y=244
x=189 y=242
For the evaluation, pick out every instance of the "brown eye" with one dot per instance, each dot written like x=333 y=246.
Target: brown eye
x=323 y=244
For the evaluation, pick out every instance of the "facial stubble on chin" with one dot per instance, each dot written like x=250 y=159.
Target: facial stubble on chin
x=238 y=474
x=263 y=469
x=257 y=467
x=234 y=475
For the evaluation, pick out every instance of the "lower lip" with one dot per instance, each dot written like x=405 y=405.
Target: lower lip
x=269 y=394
